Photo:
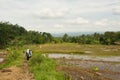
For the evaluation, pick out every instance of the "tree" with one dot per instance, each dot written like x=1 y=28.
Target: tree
x=9 y=32
x=65 y=38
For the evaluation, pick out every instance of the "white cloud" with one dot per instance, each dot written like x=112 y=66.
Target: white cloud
x=59 y=26
x=103 y=22
x=107 y=23
x=78 y=21
x=115 y=23
x=62 y=15
x=117 y=10
x=50 y=13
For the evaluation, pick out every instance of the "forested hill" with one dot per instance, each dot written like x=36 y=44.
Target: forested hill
x=9 y=32
x=15 y=35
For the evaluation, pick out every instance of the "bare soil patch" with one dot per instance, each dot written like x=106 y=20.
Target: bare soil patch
x=16 y=73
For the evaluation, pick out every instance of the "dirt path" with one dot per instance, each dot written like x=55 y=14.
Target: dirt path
x=16 y=73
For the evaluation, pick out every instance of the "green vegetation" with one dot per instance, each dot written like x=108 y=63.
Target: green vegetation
x=15 y=35
x=71 y=48
x=108 y=38
x=14 y=57
x=44 y=68
x=96 y=69
x=19 y=39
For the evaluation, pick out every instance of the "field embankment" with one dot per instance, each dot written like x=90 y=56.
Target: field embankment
x=71 y=48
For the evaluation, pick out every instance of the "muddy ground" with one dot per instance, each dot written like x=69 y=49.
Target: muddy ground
x=89 y=69
x=16 y=73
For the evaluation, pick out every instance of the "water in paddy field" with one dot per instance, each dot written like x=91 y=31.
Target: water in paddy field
x=84 y=57
x=1 y=59
x=108 y=67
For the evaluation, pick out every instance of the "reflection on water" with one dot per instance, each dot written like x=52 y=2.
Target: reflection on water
x=1 y=59
x=84 y=57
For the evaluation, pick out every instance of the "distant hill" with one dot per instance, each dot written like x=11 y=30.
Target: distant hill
x=74 y=33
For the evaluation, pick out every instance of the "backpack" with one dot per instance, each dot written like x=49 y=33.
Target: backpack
x=30 y=53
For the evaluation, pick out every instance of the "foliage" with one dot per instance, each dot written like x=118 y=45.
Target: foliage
x=108 y=38
x=65 y=38
x=44 y=68
x=9 y=32
x=15 y=35
x=13 y=58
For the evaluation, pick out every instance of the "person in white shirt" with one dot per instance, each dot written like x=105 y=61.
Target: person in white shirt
x=28 y=54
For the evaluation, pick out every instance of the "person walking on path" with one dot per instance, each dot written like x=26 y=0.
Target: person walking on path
x=28 y=54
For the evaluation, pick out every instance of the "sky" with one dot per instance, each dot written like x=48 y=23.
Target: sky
x=62 y=15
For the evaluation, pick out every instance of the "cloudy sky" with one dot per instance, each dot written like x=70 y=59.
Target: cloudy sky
x=62 y=15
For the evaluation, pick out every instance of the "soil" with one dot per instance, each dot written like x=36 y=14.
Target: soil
x=16 y=73
x=89 y=70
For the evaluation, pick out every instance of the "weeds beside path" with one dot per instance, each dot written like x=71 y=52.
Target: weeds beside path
x=38 y=68
x=44 y=68
x=15 y=67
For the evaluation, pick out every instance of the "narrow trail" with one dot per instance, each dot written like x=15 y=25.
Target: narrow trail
x=17 y=73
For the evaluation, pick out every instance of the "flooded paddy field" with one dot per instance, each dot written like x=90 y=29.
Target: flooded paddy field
x=1 y=60
x=83 y=67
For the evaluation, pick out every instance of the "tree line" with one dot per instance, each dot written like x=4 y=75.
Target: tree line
x=107 y=38
x=16 y=35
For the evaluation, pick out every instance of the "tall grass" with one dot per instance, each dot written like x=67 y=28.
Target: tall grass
x=14 y=57
x=44 y=68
